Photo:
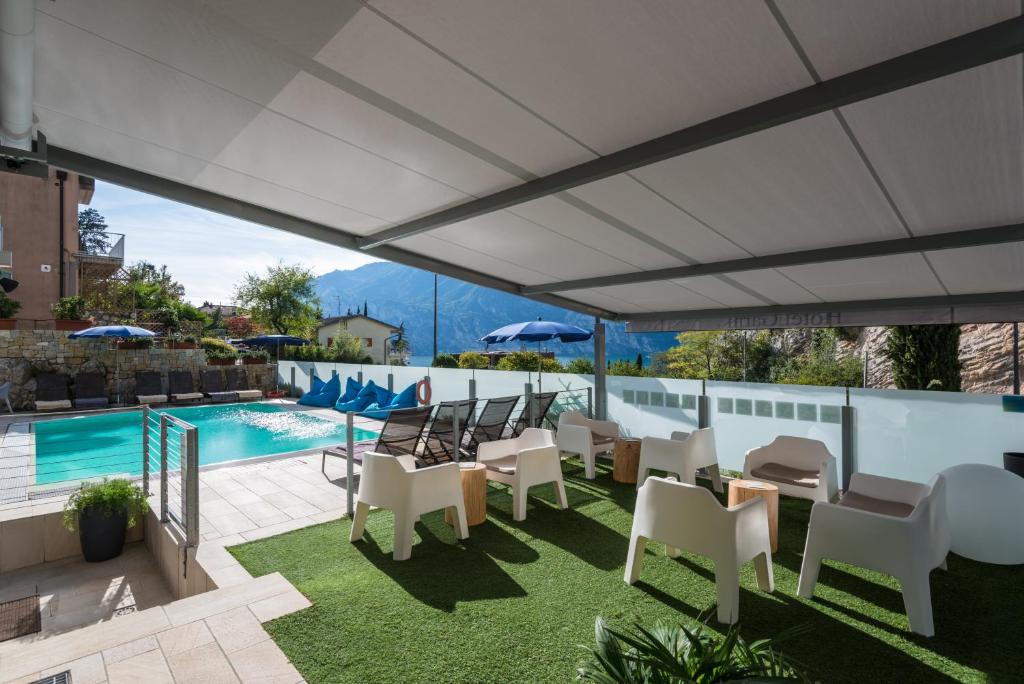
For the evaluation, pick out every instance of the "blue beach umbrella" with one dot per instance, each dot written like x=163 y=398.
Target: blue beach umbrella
x=118 y=331
x=538 y=331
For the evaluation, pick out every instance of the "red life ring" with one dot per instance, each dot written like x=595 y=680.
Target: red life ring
x=423 y=392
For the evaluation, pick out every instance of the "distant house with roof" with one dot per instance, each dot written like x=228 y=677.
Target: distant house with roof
x=371 y=332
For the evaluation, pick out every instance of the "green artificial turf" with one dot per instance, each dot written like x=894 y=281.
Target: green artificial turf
x=515 y=601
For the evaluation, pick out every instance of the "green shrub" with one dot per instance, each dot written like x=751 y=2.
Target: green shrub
x=69 y=309
x=445 y=361
x=580 y=367
x=343 y=349
x=139 y=342
x=528 y=361
x=260 y=354
x=924 y=357
x=621 y=367
x=212 y=344
x=221 y=355
x=473 y=360
x=110 y=496
x=8 y=307
x=669 y=653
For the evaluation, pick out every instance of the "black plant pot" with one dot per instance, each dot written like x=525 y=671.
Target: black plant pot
x=102 y=535
x=1014 y=462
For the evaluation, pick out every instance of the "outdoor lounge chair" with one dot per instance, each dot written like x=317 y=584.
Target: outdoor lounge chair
x=52 y=392
x=689 y=517
x=149 y=388
x=541 y=404
x=490 y=425
x=522 y=462
x=681 y=456
x=578 y=434
x=239 y=384
x=401 y=434
x=214 y=389
x=439 y=444
x=182 y=389
x=91 y=390
x=798 y=466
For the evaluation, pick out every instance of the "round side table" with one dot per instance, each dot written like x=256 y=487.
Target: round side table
x=742 y=490
x=474 y=493
x=627 y=460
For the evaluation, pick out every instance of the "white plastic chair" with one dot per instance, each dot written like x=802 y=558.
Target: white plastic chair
x=685 y=516
x=522 y=462
x=5 y=394
x=887 y=525
x=587 y=437
x=681 y=456
x=799 y=467
x=393 y=482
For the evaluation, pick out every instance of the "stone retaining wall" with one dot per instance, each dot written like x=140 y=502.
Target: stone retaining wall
x=26 y=353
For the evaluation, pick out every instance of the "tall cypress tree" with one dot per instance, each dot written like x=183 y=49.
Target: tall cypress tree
x=925 y=357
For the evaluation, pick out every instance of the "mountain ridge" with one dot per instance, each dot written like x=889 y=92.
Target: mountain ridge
x=399 y=294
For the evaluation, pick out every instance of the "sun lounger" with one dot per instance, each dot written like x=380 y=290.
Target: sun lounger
x=214 y=389
x=91 y=390
x=52 y=392
x=182 y=389
x=438 y=445
x=491 y=425
x=401 y=434
x=239 y=384
x=543 y=402
x=149 y=388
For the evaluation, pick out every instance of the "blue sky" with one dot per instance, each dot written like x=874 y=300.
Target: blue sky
x=206 y=252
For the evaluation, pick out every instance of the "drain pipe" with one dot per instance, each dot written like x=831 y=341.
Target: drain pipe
x=17 y=46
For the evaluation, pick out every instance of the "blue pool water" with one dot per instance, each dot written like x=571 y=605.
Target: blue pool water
x=90 y=446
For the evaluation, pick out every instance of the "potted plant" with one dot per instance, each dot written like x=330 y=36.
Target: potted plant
x=221 y=357
x=183 y=342
x=8 y=307
x=255 y=356
x=69 y=313
x=102 y=512
x=135 y=343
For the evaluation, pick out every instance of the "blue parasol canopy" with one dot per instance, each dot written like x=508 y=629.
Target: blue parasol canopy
x=121 y=331
x=538 y=331
x=275 y=340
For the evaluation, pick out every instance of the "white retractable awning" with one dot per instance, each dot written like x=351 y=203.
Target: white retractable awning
x=680 y=164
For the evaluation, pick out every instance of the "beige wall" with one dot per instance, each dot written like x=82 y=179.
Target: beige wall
x=30 y=215
x=372 y=334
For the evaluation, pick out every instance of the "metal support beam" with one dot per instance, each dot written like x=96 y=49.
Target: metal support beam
x=211 y=201
x=989 y=44
x=926 y=243
x=991 y=307
x=847 y=460
x=600 y=372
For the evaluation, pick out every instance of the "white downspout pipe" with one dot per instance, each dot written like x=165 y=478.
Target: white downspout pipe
x=17 y=48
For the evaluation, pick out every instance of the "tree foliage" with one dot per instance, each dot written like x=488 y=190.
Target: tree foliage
x=444 y=360
x=473 y=360
x=580 y=367
x=284 y=300
x=623 y=367
x=528 y=361
x=92 y=232
x=151 y=287
x=924 y=357
x=239 y=326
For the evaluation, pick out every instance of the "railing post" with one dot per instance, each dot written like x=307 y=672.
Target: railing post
x=350 y=450
x=600 y=372
x=590 y=402
x=359 y=375
x=191 y=486
x=312 y=372
x=334 y=373
x=703 y=407
x=529 y=409
x=292 y=389
x=472 y=386
x=847 y=457
x=183 y=466
x=456 y=441
x=163 y=468
x=145 y=449
x=391 y=382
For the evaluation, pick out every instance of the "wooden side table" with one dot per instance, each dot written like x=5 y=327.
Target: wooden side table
x=474 y=493
x=627 y=460
x=742 y=490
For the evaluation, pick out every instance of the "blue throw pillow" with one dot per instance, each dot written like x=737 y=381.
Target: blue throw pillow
x=404 y=399
x=327 y=395
x=318 y=385
x=366 y=396
x=352 y=389
x=384 y=396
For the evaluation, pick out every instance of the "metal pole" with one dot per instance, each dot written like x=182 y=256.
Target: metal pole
x=191 y=486
x=456 y=435
x=312 y=372
x=1016 y=358
x=435 y=317
x=293 y=388
x=472 y=386
x=163 y=468
x=864 y=382
x=846 y=413
x=350 y=450
x=590 y=402
x=183 y=468
x=391 y=382
x=528 y=409
x=145 y=449
x=744 y=356
x=359 y=375
x=600 y=370
x=703 y=407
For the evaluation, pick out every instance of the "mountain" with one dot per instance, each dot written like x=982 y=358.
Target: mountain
x=400 y=294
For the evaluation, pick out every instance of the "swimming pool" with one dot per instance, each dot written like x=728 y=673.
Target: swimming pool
x=91 y=446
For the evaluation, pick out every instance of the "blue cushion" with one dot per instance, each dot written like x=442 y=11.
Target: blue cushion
x=327 y=395
x=384 y=395
x=366 y=396
x=318 y=385
x=352 y=389
x=404 y=399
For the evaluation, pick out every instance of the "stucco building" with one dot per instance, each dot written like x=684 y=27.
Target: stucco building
x=371 y=332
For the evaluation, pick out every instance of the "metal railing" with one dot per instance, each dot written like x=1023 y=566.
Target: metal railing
x=170 y=452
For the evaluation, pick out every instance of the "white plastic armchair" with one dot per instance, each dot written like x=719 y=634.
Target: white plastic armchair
x=684 y=516
x=887 y=525
x=522 y=462
x=681 y=456
x=799 y=467
x=587 y=437
x=393 y=482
